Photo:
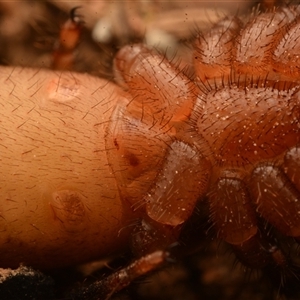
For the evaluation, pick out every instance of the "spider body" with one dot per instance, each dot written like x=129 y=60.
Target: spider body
x=91 y=168
x=234 y=132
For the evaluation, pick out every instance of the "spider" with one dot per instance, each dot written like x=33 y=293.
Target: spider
x=163 y=127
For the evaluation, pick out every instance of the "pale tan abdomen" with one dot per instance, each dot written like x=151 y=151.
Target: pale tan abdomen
x=59 y=199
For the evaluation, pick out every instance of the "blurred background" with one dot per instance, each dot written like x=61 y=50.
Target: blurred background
x=29 y=30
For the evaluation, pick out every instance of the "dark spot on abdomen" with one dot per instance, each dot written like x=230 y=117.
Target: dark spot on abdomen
x=132 y=159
